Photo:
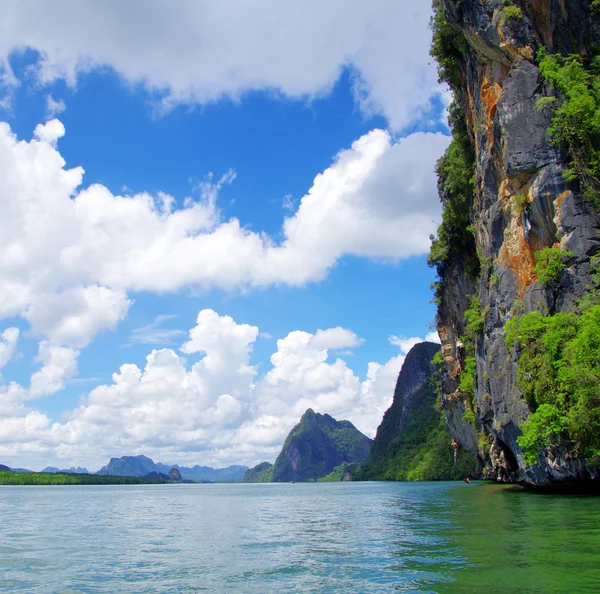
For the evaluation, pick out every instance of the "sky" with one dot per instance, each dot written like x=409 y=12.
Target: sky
x=213 y=216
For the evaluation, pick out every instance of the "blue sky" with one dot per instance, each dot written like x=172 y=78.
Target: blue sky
x=300 y=198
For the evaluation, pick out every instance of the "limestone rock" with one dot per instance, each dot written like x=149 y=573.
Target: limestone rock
x=500 y=86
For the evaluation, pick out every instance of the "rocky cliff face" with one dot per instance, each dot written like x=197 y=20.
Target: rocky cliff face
x=316 y=445
x=414 y=394
x=522 y=203
x=412 y=442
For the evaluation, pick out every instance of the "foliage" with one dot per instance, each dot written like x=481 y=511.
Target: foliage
x=549 y=264
x=467 y=379
x=521 y=201
x=544 y=427
x=576 y=122
x=456 y=168
x=59 y=478
x=510 y=12
x=447 y=47
x=475 y=318
x=474 y=325
x=559 y=375
x=455 y=171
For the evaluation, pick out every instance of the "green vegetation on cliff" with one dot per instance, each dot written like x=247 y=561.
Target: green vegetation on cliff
x=559 y=375
x=576 y=122
x=316 y=445
x=549 y=264
x=474 y=325
x=456 y=168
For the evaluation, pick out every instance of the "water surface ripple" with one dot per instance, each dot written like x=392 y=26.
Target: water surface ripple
x=332 y=537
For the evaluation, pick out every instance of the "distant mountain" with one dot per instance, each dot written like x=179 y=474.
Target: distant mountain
x=141 y=466
x=129 y=466
x=206 y=473
x=316 y=445
x=72 y=470
x=412 y=441
x=261 y=473
x=4 y=468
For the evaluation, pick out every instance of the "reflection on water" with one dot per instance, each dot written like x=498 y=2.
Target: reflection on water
x=517 y=541
x=358 y=537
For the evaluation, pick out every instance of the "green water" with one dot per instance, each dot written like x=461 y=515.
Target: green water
x=331 y=537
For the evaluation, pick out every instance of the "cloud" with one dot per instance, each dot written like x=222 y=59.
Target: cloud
x=70 y=257
x=335 y=338
x=433 y=337
x=54 y=107
x=49 y=132
x=404 y=344
x=185 y=54
x=210 y=407
x=58 y=365
x=73 y=315
x=8 y=344
x=288 y=202
x=154 y=333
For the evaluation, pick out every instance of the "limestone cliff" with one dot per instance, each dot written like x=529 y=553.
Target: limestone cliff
x=521 y=203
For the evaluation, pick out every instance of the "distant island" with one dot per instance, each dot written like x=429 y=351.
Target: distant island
x=127 y=470
x=8 y=477
x=140 y=466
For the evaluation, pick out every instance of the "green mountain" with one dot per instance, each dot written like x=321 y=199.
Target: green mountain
x=316 y=445
x=261 y=473
x=412 y=441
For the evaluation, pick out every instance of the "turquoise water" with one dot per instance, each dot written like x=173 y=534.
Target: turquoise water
x=332 y=537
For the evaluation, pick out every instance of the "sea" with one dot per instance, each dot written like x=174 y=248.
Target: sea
x=303 y=537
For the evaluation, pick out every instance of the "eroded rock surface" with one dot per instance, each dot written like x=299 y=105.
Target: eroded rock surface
x=515 y=161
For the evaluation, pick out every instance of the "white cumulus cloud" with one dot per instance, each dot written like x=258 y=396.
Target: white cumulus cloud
x=58 y=365
x=197 y=51
x=70 y=257
x=8 y=344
